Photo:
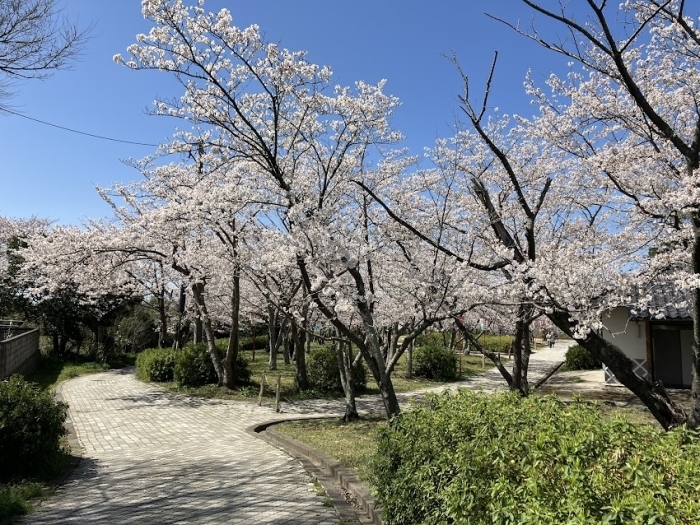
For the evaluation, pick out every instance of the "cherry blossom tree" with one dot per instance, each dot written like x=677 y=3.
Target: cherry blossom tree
x=631 y=113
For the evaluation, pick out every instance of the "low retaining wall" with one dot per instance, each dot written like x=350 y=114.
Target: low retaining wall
x=20 y=353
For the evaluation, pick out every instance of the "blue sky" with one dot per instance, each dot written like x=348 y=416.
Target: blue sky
x=52 y=173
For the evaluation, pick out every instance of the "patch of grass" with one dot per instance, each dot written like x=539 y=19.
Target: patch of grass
x=353 y=444
x=15 y=499
x=52 y=371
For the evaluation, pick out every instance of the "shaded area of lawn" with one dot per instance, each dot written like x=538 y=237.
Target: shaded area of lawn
x=53 y=371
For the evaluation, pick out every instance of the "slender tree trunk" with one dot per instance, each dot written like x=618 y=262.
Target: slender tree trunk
x=198 y=293
x=517 y=346
x=409 y=360
x=299 y=338
x=163 y=320
x=525 y=359
x=347 y=380
x=287 y=350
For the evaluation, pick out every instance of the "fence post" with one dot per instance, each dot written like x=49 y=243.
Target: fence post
x=277 y=394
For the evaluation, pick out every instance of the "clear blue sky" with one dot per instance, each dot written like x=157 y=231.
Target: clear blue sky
x=52 y=173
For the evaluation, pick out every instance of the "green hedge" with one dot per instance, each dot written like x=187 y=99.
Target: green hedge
x=578 y=358
x=31 y=427
x=434 y=361
x=324 y=373
x=155 y=364
x=190 y=366
x=480 y=459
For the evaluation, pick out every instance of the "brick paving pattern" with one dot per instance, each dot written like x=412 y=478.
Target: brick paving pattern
x=152 y=457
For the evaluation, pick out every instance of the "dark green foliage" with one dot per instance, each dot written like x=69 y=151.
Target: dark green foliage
x=578 y=358
x=324 y=373
x=13 y=498
x=248 y=343
x=155 y=364
x=480 y=459
x=434 y=361
x=136 y=330
x=31 y=427
x=193 y=366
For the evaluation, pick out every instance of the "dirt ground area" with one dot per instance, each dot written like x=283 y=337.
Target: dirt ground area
x=590 y=385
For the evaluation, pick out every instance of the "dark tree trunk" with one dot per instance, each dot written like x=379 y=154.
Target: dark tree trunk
x=299 y=337
x=232 y=349
x=653 y=395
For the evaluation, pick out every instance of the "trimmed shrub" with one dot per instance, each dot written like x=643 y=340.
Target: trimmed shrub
x=578 y=358
x=31 y=427
x=193 y=366
x=155 y=364
x=324 y=373
x=484 y=459
x=434 y=361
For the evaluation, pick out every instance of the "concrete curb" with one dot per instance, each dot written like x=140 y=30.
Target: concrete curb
x=335 y=472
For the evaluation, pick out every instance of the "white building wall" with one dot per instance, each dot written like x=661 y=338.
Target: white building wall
x=630 y=337
x=627 y=335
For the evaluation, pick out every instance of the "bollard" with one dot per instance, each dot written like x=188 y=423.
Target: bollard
x=277 y=394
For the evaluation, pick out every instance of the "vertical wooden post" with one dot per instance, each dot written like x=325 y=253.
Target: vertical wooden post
x=483 y=361
x=277 y=394
x=460 y=364
x=262 y=385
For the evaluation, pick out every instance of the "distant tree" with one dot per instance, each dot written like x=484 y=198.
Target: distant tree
x=35 y=41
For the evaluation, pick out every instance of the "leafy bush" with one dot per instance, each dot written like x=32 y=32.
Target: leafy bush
x=31 y=427
x=155 y=364
x=434 y=361
x=324 y=372
x=496 y=343
x=474 y=458
x=193 y=366
x=578 y=358
x=248 y=343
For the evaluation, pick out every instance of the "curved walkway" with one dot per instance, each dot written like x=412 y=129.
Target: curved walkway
x=152 y=457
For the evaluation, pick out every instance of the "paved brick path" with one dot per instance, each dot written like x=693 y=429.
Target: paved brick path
x=154 y=458
x=151 y=457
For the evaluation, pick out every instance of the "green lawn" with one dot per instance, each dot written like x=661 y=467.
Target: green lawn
x=353 y=444
x=288 y=392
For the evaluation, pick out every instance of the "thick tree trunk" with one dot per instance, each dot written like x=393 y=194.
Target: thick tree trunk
x=653 y=395
x=198 y=293
x=232 y=349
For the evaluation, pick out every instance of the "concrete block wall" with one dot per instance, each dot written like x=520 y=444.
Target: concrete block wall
x=19 y=354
